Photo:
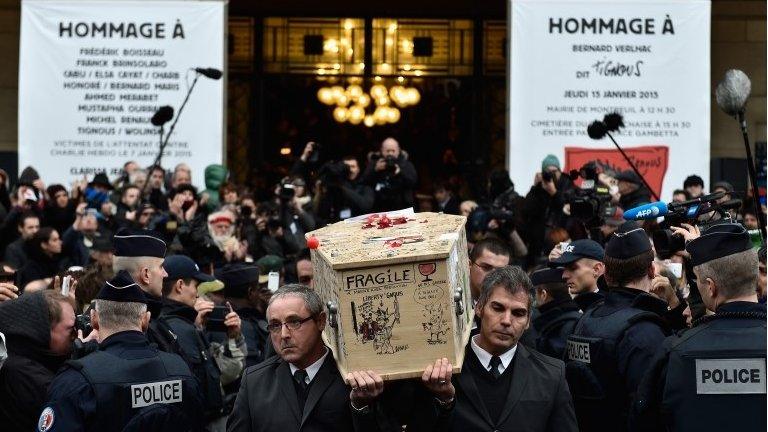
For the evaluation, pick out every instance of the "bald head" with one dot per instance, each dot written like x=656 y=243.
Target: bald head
x=390 y=147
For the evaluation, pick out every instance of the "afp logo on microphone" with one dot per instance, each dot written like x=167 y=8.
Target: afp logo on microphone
x=653 y=211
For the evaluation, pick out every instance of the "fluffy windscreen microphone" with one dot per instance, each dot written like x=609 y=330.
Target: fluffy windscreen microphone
x=597 y=130
x=732 y=92
x=613 y=122
x=162 y=115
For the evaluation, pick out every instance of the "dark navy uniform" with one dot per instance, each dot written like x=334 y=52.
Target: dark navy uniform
x=197 y=353
x=608 y=353
x=714 y=368
x=555 y=323
x=713 y=376
x=125 y=383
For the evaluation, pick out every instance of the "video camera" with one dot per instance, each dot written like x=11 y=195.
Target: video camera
x=590 y=204
x=693 y=212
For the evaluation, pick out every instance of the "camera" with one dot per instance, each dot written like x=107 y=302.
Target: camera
x=591 y=204
x=391 y=163
x=547 y=176
x=287 y=192
x=314 y=158
x=83 y=322
x=332 y=174
x=693 y=212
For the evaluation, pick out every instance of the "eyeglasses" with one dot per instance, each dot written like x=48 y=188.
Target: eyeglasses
x=293 y=324
x=484 y=267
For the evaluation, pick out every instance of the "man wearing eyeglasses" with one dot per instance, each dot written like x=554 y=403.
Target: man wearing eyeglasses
x=487 y=255
x=301 y=388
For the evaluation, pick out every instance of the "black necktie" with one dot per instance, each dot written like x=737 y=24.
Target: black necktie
x=301 y=378
x=495 y=363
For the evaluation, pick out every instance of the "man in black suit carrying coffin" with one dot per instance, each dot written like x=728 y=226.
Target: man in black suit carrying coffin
x=503 y=385
x=300 y=389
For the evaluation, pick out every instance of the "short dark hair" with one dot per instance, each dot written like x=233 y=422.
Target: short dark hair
x=557 y=290
x=619 y=272
x=168 y=284
x=512 y=278
x=681 y=191
x=693 y=180
x=27 y=215
x=491 y=244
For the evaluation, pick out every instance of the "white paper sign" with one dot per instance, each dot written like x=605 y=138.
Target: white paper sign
x=92 y=74
x=572 y=62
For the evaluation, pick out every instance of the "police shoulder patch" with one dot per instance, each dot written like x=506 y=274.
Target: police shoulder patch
x=46 y=420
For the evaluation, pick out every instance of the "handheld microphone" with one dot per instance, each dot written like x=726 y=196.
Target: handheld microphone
x=732 y=92
x=647 y=211
x=162 y=115
x=211 y=73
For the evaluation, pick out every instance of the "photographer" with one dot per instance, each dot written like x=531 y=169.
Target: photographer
x=341 y=194
x=190 y=325
x=294 y=220
x=543 y=205
x=392 y=177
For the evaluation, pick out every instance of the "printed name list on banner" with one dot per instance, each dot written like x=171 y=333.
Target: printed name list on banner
x=572 y=62
x=92 y=74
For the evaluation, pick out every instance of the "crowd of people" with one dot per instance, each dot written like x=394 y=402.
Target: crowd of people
x=204 y=301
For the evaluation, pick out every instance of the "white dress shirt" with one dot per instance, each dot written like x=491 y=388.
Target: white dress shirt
x=311 y=369
x=485 y=357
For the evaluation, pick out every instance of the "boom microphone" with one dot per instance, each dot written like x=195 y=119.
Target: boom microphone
x=162 y=115
x=647 y=211
x=211 y=73
x=732 y=92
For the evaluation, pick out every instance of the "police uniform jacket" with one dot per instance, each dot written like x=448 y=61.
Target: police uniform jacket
x=268 y=402
x=609 y=352
x=126 y=381
x=709 y=378
x=553 y=326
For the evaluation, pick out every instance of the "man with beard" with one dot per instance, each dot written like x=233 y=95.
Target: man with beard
x=15 y=254
x=213 y=242
x=126 y=214
x=39 y=329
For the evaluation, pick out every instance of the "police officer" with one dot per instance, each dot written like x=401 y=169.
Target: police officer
x=582 y=262
x=558 y=313
x=249 y=299
x=615 y=340
x=180 y=314
x=127 y=384
x=713 y=376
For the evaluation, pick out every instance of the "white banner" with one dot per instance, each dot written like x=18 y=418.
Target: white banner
x=92 y=74
x=572 y=62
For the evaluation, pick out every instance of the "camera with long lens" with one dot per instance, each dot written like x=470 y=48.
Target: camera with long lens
x=590 y=204
x=702 y=212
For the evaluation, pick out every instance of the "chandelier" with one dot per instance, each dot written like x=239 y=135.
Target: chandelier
x=379 y=106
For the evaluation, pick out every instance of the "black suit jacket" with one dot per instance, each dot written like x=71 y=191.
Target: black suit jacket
x=538 y=399
x=267 y=401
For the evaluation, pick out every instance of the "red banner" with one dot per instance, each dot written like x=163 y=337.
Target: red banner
x=651 y=161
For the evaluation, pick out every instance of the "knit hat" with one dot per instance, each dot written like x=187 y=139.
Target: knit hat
x=550 y=160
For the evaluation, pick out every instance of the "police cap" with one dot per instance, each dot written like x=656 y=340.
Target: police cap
x=122 y=288
x=577 y=250
x=237 y=278
x=545 y=276
x=138 y=243
x=628 y=241
x=718 y=241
